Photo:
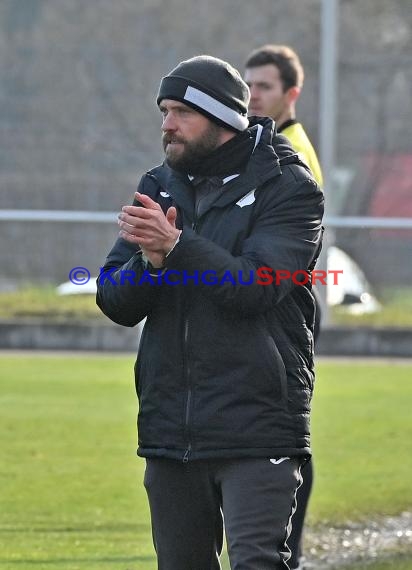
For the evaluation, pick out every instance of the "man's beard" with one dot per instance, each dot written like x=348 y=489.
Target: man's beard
x=193 y=152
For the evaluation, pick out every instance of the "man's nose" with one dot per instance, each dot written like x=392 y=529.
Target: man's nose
x=253 y=92
x=169 y=123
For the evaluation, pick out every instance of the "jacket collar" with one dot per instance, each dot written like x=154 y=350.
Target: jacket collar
x=262 y=166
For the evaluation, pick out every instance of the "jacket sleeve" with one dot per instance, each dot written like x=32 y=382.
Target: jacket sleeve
x=285 y=236
x=125 y=290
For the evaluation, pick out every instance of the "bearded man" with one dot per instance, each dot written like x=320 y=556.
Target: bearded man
x=224 y=374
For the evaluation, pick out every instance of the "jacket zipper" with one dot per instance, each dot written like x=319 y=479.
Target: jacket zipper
x=187 y=366
x=189 y=394
x=196 y=218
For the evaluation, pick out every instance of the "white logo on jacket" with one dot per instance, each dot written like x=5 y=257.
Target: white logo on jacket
x=247 y=200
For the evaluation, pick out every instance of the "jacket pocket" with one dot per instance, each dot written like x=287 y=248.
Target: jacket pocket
x=277 y=368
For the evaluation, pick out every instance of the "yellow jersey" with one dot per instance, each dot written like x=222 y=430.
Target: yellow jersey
x=301 y=143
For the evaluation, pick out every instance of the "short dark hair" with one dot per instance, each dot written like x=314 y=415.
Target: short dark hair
x=286 y=60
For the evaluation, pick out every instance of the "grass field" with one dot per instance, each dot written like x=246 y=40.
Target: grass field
x=44 y=302
x=362 y=433
x=396 y=564
x=71 y=487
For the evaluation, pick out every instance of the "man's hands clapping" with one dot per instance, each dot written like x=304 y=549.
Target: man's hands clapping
x=148 y=227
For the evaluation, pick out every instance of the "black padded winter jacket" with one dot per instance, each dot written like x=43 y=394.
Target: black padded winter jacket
x=225 y=369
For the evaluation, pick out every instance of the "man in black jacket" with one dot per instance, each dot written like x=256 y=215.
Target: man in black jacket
x=216 y=252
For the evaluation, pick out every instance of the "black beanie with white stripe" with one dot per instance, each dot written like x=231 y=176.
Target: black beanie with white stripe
x=212 y=87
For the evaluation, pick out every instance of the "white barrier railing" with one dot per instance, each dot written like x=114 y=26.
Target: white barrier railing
x=58 y=216
x=111 y=217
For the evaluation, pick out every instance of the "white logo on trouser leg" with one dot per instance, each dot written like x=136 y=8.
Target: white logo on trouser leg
x=277 y=461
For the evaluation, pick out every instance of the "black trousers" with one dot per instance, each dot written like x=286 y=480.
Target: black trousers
x=295 y=541
x=302 y=499
x=189 y=501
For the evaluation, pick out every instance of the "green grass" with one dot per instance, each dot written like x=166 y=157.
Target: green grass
x=71 y=486
x=394 y=564
x=43 y=302
x=362 y=435
x=396 y=311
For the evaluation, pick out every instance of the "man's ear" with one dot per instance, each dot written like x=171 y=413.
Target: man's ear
x=292 y=94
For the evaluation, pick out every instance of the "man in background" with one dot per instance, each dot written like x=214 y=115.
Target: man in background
x=275 y=75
